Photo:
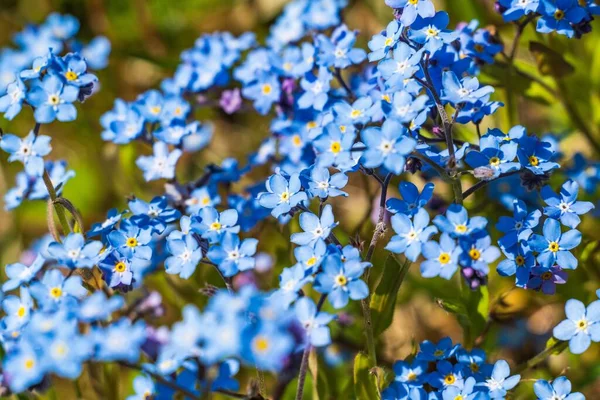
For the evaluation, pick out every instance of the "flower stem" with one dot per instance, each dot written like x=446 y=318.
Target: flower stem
x=305 y=355
x=557 y=347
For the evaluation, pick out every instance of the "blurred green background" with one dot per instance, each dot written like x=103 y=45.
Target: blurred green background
x=147 y=37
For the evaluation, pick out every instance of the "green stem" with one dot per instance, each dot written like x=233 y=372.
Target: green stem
x=60 y=212
x=542 y=356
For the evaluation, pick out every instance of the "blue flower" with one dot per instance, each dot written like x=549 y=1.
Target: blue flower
x=73 y=69
x=414 y=373
x=382 y=43
x=55 y=289
x=535 y=155
x=150 y=105
x=515 y=9
x=457 y=224
x=17 y=309
x=559 y=15
x=12 y=102
x=466 y=90
x=265 y=91
x=18 y=273
x=500 y=381
x=52 y=99
x=74 y=252
x=565 y=206
x=338 y=51
x=316 y=89
x=113 y=217
x=24 y=367
x=310 y=257
x=314 y=322
x=387 y=146
x=431 y=31
x=411 y=9
x=161 y=165
x=494 y=157
x=464 y=391
x=266 y=346
x=225 y=380
x=446 y=375
x=442 y=258
x=581 y=327
x=186 y=254
x=520 y=227
x=402 y=65
x=200 y=198
x=407 y=109
x=132 y=241
x=291 y=281
x=519 y=260
x=334 y=148
x=120 y=271
x=29 y=150
x=315 y=228
x=144 y=388
x=156 y=214
x=410 y=235
x=233 y=255
x=323 y=185
x=478 y=253
x=282 y=194
x=359 y=112
x=341 y=280
x=98 y=308
x=96 y=52
x=553 y=247
x=412 y=201
x=559 y=388
x=213 y=225
x=121 y=341
x=430 y=351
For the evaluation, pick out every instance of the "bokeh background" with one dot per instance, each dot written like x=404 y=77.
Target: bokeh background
x=147 y=37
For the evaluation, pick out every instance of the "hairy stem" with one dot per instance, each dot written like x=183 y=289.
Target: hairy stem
x=60 y=211
x=542 y=356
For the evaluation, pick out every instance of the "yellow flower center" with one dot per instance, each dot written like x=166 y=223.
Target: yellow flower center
x=475 y=254
x=386 y=98
x=547 y=275
x=132 y=242
x=155 y=110
x=53 y=99
x=177 y=111
x=533 y=160
x=311 y=261
x=266 y=89
x=215 y=226
x=438 y=353
x=559 y=14
x=341 y=280
x=582 y=324
x=411 y=376
x=462 y=228
x=343 y=128
x=413 y=2
x=21 y=312
x=55 y=292
x=520 y=261
x=29 y=363
x=479 y=48
x=459 y=397
x=449 y=379
x=311 y=125
x=474 y=367
x=261 y=344
x=494 y=161
x=71 y=76
x=120 y=267
x=444 y=258
x=355 y=113
x=389 y=41
x=553 y=247
x=285 y=196
x=297 y=140
x=335 y=147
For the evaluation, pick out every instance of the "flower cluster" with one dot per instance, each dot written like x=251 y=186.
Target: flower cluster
x=334 y=111
x=445 y=371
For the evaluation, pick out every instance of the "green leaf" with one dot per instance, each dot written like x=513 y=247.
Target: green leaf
x=550 y=62
x=478 y=307
x=365 y=386
x=383 y=300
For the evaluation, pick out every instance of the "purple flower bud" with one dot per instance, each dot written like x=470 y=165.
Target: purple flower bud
x=231 y=101
x=438 y=131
